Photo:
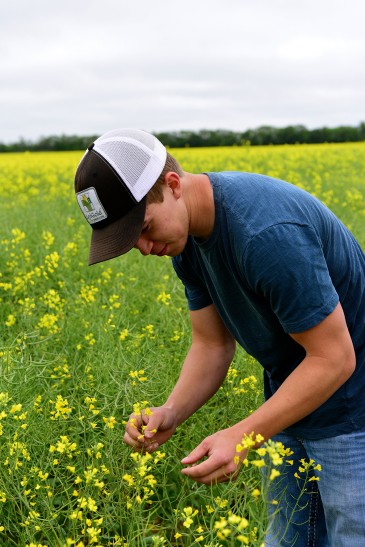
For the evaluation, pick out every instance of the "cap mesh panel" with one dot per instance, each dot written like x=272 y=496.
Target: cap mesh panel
x=145 y=138
x=131 y=161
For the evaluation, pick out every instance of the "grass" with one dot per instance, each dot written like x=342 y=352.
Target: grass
x=80 y=346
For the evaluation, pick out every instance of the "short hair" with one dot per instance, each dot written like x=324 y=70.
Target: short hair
x=155 y=195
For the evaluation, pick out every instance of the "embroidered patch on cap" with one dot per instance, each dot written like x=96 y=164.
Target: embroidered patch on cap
x=91 y=206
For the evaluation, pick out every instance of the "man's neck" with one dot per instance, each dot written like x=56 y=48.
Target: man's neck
x=198 y=196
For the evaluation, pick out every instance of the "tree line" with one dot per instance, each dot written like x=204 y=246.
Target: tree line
x=263 y=135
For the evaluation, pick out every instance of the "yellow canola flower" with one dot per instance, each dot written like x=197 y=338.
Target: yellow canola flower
x=317 y=467
x=4 y=398
x=164 y=298
x=139 y=375
x=48 y=239
x=188 y=513
x=52 y=262
x=123 y=334
x=139 y=406
x=110 y=422
x=274 y=473
x=129 y=479
x=258 y=463
x=247 y=442
x=93 y=533
x=91 y=505
x=52 y=299
x=11 y=320
x=17 y=234
x=88 y=294
x=90 y=473
x=16 y=408
x=188 y=522
x=49 y=322
x=64 y=446
x=43 y=476
x=238 y=521
x=62 y=409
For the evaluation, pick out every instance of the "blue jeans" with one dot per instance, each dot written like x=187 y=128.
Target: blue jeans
x=331 y=513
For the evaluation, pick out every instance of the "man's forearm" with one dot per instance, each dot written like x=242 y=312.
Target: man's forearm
x=305 y=390
x=202 y=373
x=330 y=360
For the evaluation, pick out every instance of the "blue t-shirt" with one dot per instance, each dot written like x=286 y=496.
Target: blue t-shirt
x=277 y=262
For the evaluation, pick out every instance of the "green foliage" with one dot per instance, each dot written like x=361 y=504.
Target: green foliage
x=263 y=135
x=79 y=346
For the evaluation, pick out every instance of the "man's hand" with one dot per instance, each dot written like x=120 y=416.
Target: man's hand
x=223 y=461
x=151 y=428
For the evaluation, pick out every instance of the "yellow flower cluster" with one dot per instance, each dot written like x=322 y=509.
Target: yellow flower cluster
x=241 y=386
x=64 y=446
x=164 y=298
x=232 y=528
x=88 y=294
x=271 y=454
x=306 y=468
x=137 y=376
x=141 y=481
x=61 y=408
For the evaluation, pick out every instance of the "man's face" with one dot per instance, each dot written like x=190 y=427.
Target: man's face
x=165 y=228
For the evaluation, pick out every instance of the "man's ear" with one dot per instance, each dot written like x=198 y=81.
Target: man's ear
x=173 y=182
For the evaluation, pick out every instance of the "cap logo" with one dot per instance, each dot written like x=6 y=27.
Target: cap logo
x=91 y=206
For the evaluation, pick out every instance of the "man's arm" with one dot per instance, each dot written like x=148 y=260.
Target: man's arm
x=204 y=369
x=329 y=362
x=206 y=364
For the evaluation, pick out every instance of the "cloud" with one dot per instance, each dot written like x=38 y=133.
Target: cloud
x=85 y=67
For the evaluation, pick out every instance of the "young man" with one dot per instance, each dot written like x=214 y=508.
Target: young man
x=266 y=265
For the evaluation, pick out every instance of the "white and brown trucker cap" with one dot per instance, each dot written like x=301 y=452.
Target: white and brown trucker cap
x=111 y=184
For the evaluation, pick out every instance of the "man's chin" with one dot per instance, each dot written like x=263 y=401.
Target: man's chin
x=176 y=250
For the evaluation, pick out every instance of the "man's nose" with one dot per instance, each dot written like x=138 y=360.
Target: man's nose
x=143 y=246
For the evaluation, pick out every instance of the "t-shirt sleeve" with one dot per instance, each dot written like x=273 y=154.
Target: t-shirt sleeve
x=285 y=264
x=188 y=271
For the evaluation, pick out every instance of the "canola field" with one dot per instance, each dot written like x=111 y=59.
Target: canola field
x=82 y=347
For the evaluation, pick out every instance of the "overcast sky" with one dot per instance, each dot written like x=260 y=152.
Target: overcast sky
x=87 y=66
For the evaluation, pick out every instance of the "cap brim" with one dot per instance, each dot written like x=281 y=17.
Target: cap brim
x=119 y=237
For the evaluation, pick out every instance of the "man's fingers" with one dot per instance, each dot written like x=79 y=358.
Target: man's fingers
x=208 y=472
x=155 y=421
x=135 y=422
x=140 y=443
x=140 y=431
x=151 y=428
x=134 y=427
x=203 y=469
x=197 y=454
x=131 y=441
